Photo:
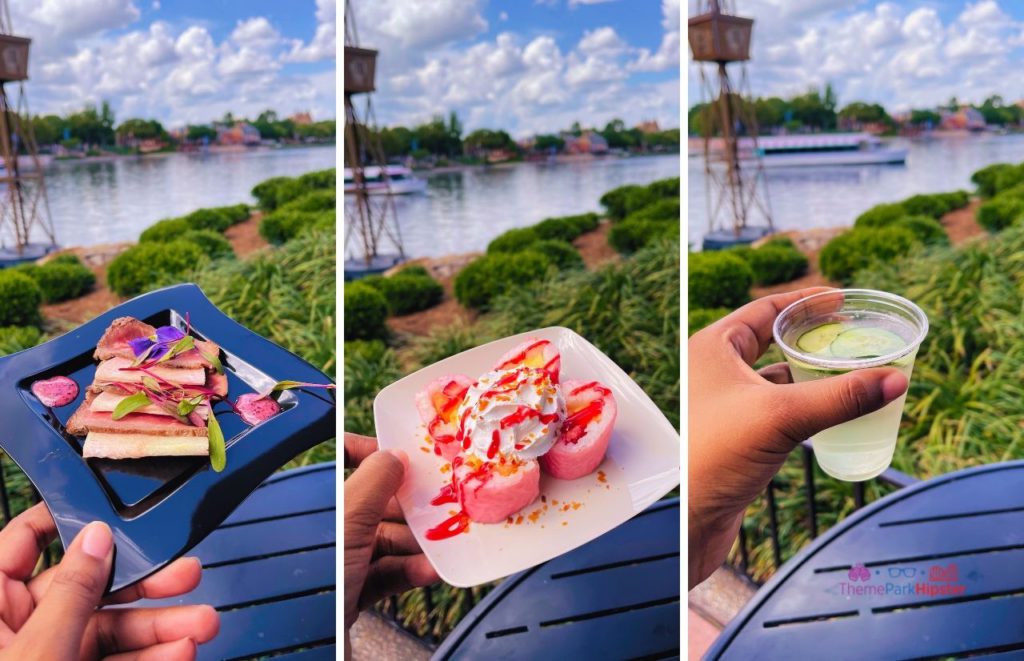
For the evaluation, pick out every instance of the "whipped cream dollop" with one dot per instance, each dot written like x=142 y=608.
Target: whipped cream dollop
x=515 y=412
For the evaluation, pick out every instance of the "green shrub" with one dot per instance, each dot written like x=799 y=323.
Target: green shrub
x=933 y=206
x=560 y=229
x=408 y=293
x=146 y=265
x=585 y=222
x=62 y=281
x=208 y=219
x=1000 y=212
x=415 y=269
x=665 y=210
x=319 y=179
x=718 y=279
x=774 y=264
x=365 y=312
x=168 y=229
x=513 y=240
x=65 y=258
x=622 y=200
x=666 y=187
x=925 y=228
x=632 y=234
x=880 y=215
x=18 y=338
x=956 y=199
x=235 y=213
x=318 y=200
x=781 y=241
x=484 y=278
x=987 y=178
x=20 y=298
x=212 y=244
x=561 y=254
x=265 y=192
x=1009 y=177
x=283 y=225
x=851 y=251
x=699 y=318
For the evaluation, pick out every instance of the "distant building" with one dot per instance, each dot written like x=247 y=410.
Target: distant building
x=964 y=119
x=649 y=126
x=590 y=142
x=241 y=133
x=302 y=118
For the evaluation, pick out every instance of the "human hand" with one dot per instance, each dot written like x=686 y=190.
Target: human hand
x=54 y=615
x=743 y=424
x=382 y=557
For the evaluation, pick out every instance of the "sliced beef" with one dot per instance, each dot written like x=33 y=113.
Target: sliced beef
x=113 y=371
x=85 y=420
x=114 y=344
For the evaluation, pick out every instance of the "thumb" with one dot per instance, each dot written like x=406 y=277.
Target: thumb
x=813 y=406
x=61 y=616
x=367 y=492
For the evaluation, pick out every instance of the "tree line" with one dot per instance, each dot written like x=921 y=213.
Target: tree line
x=443 y=137
x=818 y=110
x=96 y=125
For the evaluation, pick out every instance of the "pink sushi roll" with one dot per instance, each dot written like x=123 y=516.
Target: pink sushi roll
x=438 y=406
x=535 y=353
x=585 y=434
x=490 y=492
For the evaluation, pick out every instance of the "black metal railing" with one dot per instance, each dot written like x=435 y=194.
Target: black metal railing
x=890 y=477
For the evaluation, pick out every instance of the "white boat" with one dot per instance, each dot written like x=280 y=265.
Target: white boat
x=823 y=149
x=389 y=180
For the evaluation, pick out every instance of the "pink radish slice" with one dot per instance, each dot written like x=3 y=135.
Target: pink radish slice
x=585 y=434
x=438 y=406
x=535 y=353
x=55 y=392
x=489 y=495
x=255 y=408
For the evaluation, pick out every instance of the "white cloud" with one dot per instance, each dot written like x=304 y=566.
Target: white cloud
x=575 y=3
x=898 y=55
x=667 y=55
x=75 y=18
x=324 y=43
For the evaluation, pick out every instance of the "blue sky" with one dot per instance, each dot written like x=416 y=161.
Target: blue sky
x=181 y=61
x=901 y=54
x=526 y=66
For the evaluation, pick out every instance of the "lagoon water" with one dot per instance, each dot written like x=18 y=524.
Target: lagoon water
x=462 y=211
x=103 y=202
x=803 y=198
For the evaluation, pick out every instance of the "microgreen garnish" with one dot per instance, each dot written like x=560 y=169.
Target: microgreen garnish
x=181 y=346
x=130 y=404
x=218 y=453
x=151 y=384
x=187 y=406
x=281 y=386
x=213 y=359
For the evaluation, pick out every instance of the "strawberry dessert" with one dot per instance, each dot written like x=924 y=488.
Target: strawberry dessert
x=500 y=431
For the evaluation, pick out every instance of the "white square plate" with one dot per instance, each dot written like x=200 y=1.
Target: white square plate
x=642 y=465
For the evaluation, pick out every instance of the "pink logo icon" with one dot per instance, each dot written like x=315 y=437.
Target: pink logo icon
x=947 y=574
x=859 y=572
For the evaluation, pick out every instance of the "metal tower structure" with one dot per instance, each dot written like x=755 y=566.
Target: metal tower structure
x=26 y=230
x=372 y=217
x=737 y=194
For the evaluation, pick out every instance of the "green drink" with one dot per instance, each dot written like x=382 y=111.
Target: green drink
x=841 y=330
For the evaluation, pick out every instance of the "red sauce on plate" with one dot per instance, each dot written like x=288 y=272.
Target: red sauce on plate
x=449 y=527
x=55 y=392
x=255 y=408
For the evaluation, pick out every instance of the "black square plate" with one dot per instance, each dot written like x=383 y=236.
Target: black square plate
x=158 y=507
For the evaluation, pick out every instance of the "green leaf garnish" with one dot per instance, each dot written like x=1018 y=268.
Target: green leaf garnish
x=130 y=404
x=181 y=346
x=213 y=359
x=286 y=385
x=218 y=454
x=187 y=406
x=151 y=384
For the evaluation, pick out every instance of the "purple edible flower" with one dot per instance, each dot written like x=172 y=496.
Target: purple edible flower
x=157 y=345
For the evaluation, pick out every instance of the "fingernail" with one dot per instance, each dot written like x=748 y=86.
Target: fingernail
x=97 y=540
x=893 y=385
x=401 y=456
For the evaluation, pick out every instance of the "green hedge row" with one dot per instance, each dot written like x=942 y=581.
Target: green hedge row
x=852 y=251
x=483 y=279
x=20 y=298
x=278 y=191
x=137 y=269
x=643 y=214
x=410 y=290
x=61 y=278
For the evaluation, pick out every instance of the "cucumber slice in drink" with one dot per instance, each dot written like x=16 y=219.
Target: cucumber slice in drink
x=866 y=342
x=819 y=339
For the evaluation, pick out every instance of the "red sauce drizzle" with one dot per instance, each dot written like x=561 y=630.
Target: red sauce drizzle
x=522 y=413
x=594 y=385
x=447 y=495
x=495 y=444
x=576 y=424
x=521 y=356
x=449 y=527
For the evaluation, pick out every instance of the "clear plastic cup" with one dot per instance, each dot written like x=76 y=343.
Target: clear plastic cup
x=840 y=330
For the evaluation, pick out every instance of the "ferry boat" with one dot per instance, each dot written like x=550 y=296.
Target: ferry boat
x=824 y=149
x=389 y=180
